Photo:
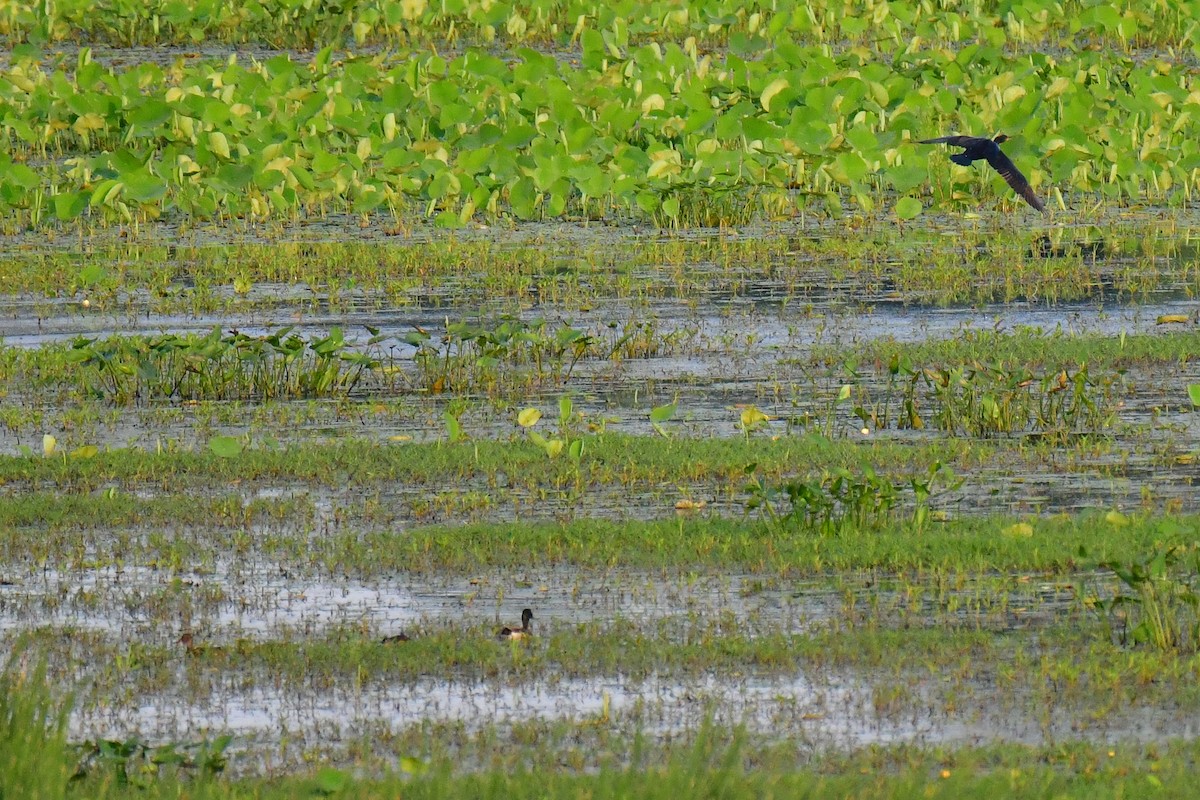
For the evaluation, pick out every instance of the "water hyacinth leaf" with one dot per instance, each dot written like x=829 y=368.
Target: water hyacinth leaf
x=144 y=187
x=150 y=113
x=225 y=446
x=219 y=144
x=523 y=197
x=85 y=452
x=770 y=91
x=69 y=205
x=906 y=177
x=663 y=413
x=49 y=444
x=752 y=417
x=660 y=415
x=1194 y=394
x=454 y=430
x=648 y=202
x=908 y=208
x=92 y=274
x=19 y=176
x=529 y=417
x=106 y=193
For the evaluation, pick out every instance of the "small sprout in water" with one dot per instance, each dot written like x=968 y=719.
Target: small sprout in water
x=49 y=444
x=865 y=431
x=86 y=303
x=660 y=415
x=752 y=418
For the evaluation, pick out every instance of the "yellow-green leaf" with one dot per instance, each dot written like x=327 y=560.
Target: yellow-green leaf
x=773 y=88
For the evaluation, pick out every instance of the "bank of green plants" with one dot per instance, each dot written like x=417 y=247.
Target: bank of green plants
x=846 y=23
x=656 y=131
x=716 y=758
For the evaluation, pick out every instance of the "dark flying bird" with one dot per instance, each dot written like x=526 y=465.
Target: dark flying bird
x=977 y=147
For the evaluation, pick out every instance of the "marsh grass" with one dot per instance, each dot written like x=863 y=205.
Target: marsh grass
x=583 y=268
x=35 y=761
x=1039 y=349
x=614 y=458
x=726 y=763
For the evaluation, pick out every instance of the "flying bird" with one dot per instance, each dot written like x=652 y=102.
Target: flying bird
x=977 y=147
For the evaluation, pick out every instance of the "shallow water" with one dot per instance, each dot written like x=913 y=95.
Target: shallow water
x=817 y=711
x=259 y=599
x=731 y=341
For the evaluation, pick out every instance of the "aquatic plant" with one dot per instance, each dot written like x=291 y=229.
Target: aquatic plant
x=994 y=398
x=1158 y=604
x=711 y=23
x=757 y=131
x=135 y=763
x=508 y=354
x=568 y=439
x=220 y=366
x=828 y=503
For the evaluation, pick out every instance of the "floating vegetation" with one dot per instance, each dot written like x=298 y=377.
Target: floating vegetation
x=650 y=131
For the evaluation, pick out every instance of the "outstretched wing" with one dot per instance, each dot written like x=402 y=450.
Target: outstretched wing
x=958 y=141
x=1013 y=177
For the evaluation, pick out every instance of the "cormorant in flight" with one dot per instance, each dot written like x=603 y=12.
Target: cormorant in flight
x=977 y=147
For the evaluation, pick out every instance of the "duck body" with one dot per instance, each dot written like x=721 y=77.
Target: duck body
x=518 y=633
x=980 y=148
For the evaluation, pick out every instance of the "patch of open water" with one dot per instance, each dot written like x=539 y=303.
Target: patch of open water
x=258 y=599
x=816 y=710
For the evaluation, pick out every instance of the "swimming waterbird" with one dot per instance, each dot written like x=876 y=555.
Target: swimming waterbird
x=521 y=632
